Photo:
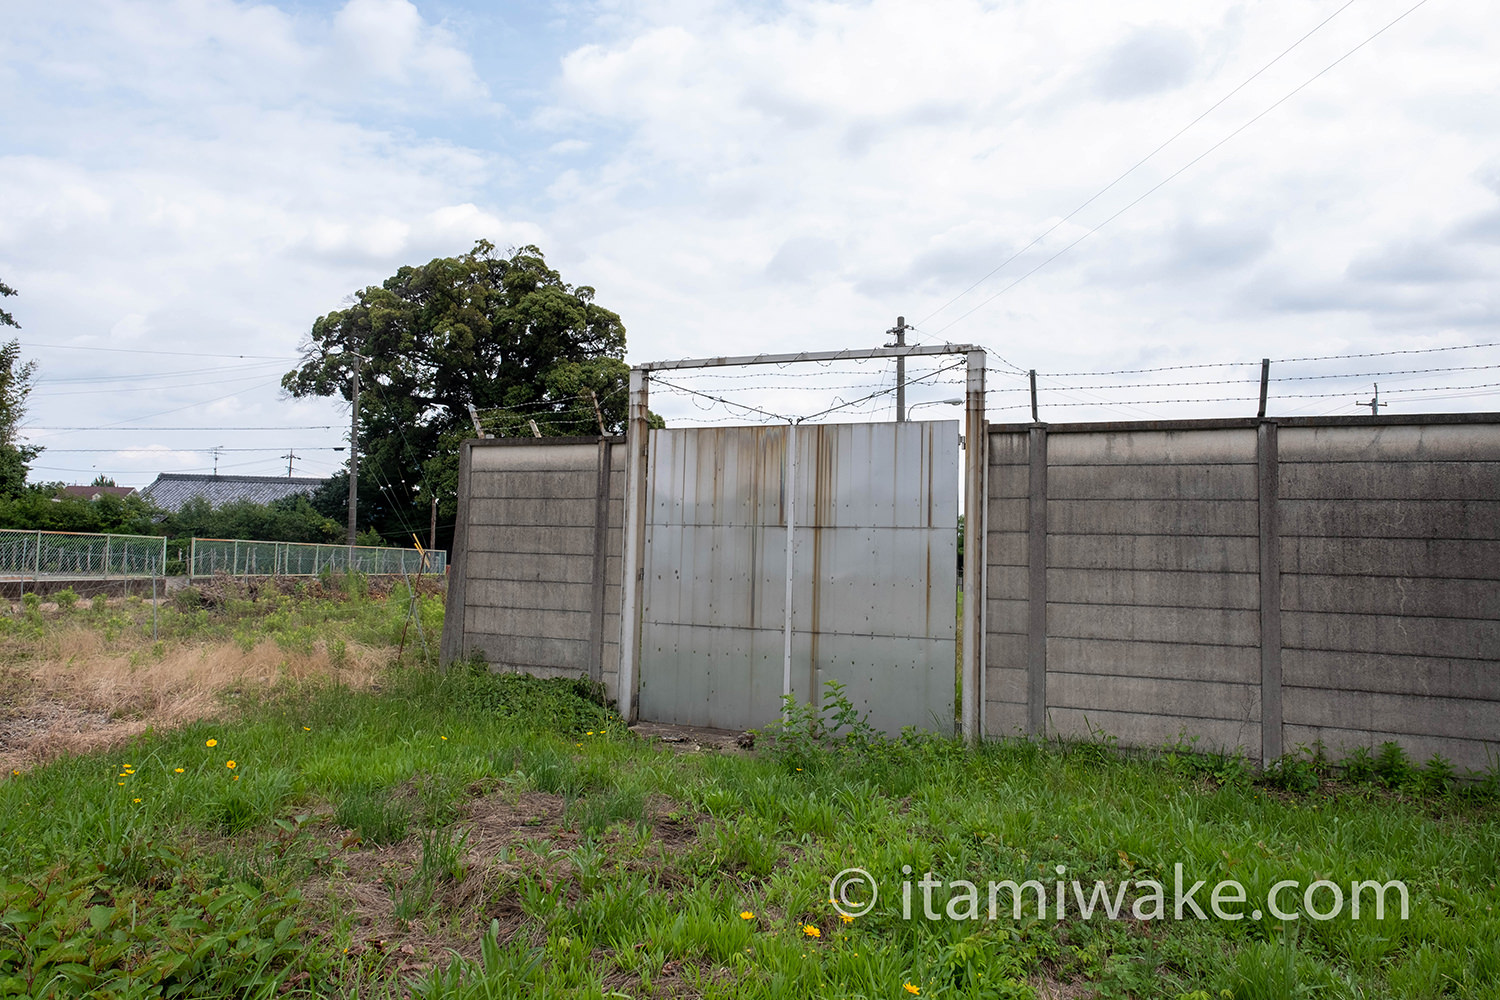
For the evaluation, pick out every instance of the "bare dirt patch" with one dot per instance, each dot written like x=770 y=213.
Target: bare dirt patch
x=512 y=838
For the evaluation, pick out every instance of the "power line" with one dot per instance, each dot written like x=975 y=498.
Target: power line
x=197 y=451
x=1139 y=163
x=178 y=354
x=115 y=427
x=1185 y=167
x=138 y=388
x=1384 y=354
x=143 y=376
x=1275 y=361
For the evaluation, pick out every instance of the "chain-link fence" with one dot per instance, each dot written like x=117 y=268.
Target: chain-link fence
x=59 y=555
x=238 y=557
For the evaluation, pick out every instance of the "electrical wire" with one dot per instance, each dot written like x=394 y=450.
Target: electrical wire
x=113 y=427
x=1139 y=163
x=1185 y=167
x=1278 y=361
x=178 y=354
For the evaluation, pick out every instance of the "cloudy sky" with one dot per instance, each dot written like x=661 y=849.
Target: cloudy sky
x=203 y=178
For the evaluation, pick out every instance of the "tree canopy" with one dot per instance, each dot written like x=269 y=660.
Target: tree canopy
x=15 y=385
x=503 y=333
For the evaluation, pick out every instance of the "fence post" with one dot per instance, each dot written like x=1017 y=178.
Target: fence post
x=36 y=572
x=976 y=461
x=637 y=436
x=106 y=554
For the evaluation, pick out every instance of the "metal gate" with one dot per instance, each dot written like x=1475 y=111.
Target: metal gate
x=870 y=600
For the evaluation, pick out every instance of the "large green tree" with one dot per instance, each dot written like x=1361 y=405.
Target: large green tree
x=15 y=385
x=503 y=333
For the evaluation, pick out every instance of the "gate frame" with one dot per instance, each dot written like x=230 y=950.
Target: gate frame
x=976 y=451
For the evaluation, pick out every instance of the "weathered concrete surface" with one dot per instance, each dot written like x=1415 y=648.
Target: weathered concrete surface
x=1362 y=605
x=535 y=583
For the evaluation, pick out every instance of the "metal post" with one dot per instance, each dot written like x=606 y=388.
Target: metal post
x=637 y=431
x=791 y=523
x=1034 y=418
x=976 y=457
x=106 y=554
x=1265 y=383
x=153 y=605
x=192 y=559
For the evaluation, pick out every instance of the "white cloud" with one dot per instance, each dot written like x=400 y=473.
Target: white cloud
x=211 y=175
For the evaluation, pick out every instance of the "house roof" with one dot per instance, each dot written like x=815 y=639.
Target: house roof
x=173 y=489
x=95 y=492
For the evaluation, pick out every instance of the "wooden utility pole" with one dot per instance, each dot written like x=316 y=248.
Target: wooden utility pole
x=432 y=533
x=598 y=413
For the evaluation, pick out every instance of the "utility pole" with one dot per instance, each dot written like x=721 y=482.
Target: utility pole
x=216 y=449
x=289 y=456
x=1373 y=402
x=900 y=331
x=432 y=533
x=598 y=413
x=353 y=452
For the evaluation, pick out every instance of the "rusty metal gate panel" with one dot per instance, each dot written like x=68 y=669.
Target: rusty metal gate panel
x=874 y=581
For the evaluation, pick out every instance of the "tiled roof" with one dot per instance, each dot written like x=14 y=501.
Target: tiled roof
x=95 y=492
x=173 y=489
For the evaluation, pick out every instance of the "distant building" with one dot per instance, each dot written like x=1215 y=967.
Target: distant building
x=95 y=492
x=172 y=489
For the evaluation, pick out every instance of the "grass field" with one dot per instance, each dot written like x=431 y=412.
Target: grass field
x=278 y=805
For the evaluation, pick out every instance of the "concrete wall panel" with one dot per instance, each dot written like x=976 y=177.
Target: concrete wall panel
x=1390 y=480
x=1390 y=595
x=1152 y=517
x=1414 y=442
x=1378 y=541
x=538 y=528
x=1196 y=553
x=1392 y=673
x=1196 y=448
x=1150 y=588
x=1460 y=519
x=1151 y=482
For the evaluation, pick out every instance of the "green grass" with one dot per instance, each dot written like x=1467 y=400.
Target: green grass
x=517 y=822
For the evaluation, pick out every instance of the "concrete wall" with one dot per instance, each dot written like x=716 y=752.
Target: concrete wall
x=535 y=581
x=1256 y=585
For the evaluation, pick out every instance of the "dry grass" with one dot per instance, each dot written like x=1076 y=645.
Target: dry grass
x=76 y=691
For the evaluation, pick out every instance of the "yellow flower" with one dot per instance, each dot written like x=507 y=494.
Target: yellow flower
x=124 y=774
x=230 y=764
x=307 y=729
x=178 y=770
x=15 y=772
x=442 y=737
x=811 y=931
x=747 y=915
x=846 y=918
x=589 y=733
x=135 y=800
x=210 y=743
x=119 y=782
x=913 y=990
x=236 y=777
